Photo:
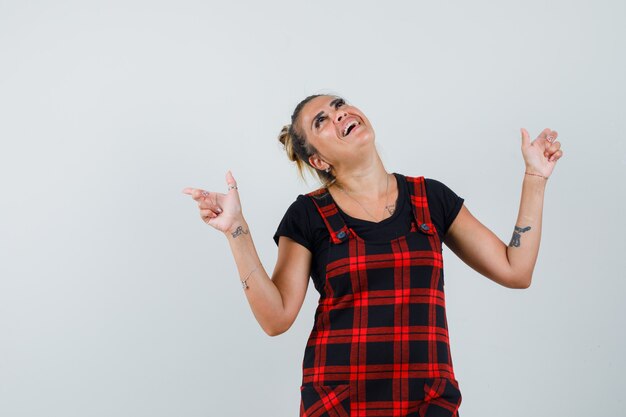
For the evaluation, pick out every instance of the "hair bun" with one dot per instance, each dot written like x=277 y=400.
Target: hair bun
x=285 y=138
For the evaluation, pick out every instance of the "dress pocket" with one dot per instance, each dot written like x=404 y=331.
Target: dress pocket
x=325 y=400
x=444 y=394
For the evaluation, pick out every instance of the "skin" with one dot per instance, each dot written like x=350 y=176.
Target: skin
x=353 y=159
x=355 y=162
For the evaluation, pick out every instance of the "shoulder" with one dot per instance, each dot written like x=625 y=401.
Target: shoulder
x=434 y=188
x=301 y=200
x=445 y=204
x=295 y=222
x=299 y=207
x=303 y=223
x=438 y=190
x=305 y=206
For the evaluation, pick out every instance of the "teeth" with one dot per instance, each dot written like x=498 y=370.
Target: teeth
x=352 y=123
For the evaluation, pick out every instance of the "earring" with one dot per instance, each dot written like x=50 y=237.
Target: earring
x=327 y=170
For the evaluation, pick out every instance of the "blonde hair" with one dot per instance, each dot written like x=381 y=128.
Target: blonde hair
x=299 y=150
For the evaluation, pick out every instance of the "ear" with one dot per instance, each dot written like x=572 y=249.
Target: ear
x=317 y=163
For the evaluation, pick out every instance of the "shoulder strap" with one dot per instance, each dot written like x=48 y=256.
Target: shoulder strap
x=419 y=201
x=327 y=208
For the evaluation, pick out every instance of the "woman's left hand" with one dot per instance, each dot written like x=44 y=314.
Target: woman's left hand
x=541 y=154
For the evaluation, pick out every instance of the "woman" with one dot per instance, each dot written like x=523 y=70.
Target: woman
x=371 y=241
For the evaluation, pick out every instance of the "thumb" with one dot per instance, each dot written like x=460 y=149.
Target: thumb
x=230 y=180
x=525 y=137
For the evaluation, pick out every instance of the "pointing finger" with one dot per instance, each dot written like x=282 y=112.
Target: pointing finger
x=196 y=193
x=552 y=135
x=199 y=194
x=230 y=180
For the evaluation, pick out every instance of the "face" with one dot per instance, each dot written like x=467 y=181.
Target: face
x=339 y=131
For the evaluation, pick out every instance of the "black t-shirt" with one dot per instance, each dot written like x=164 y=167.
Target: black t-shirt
x=303 y=223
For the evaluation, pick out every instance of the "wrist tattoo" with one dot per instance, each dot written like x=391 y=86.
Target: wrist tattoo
x=239 y=231
x=515 y=240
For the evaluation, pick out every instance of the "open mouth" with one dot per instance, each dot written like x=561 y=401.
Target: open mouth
x=350 y=127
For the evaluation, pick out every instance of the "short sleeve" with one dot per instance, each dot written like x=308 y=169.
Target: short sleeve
x=444 y=204
x=295 y=224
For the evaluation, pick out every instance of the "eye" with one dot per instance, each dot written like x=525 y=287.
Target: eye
x=319 y=120
x=340 y=102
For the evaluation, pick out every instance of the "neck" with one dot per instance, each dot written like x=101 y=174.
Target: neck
x=371 y=182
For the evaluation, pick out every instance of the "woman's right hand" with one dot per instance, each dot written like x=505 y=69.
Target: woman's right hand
x=219 y=210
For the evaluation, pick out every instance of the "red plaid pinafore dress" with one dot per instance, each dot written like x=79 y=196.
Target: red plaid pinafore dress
x=379 y=344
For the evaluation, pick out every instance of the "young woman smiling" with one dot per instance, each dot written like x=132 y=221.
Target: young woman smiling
x=371 y=241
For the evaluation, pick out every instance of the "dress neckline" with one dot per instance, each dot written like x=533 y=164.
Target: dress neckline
x=396 y=213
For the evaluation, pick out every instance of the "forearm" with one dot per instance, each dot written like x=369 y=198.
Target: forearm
x=263 y=296
x=523 y=248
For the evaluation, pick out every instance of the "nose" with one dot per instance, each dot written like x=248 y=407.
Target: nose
x=340 y=115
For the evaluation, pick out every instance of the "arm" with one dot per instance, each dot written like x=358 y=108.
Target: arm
x=511 y=266
x=275 y=302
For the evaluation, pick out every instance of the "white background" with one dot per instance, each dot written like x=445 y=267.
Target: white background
x=115 y=298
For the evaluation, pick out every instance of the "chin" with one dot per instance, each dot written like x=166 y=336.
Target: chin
x=369 y=137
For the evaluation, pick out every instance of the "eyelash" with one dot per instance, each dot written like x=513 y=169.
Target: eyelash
x=322 y=118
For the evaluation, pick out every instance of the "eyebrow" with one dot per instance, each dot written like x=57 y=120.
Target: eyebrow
x=331 y=104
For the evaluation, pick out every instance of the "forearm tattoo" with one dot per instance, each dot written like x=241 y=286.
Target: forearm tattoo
x=515 y=240
x=239 y=231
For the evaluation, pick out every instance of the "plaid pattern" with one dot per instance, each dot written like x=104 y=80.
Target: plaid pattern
x=379 y=345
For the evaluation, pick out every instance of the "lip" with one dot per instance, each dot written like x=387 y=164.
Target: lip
x=347 y=122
